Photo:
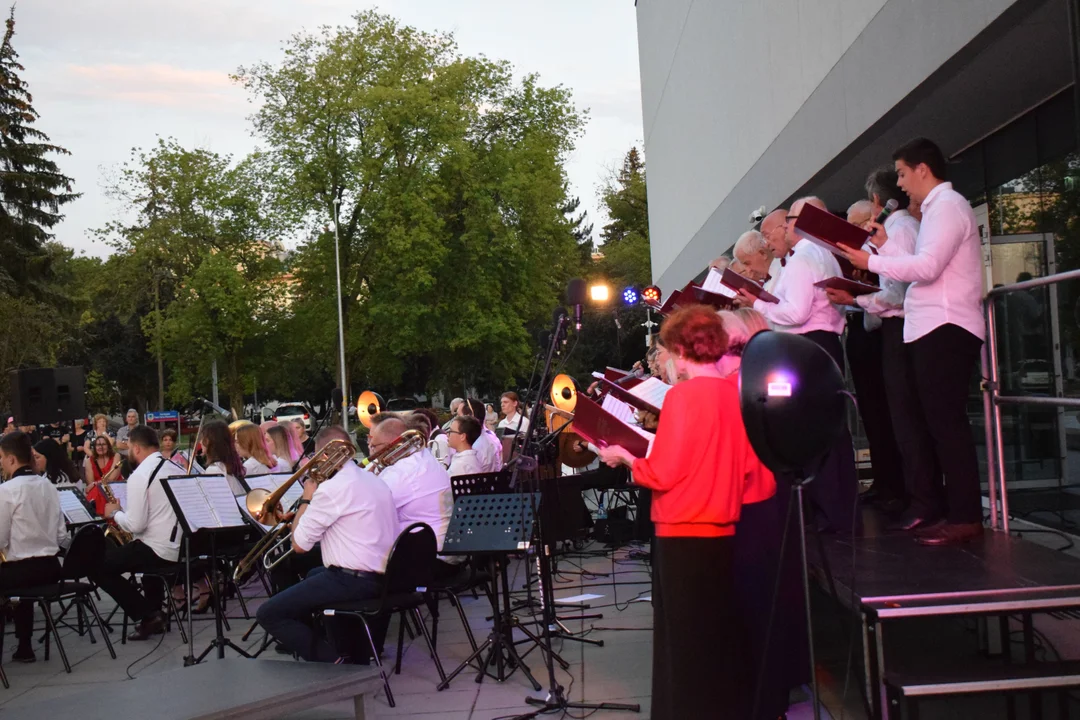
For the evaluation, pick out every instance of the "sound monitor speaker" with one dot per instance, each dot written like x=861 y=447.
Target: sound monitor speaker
x=45 y=395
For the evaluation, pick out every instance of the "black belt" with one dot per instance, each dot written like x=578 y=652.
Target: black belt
x=354 y=573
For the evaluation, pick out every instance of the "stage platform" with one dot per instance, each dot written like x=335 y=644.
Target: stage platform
x=887 y=577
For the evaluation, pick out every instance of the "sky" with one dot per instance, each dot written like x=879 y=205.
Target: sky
x=109 y=76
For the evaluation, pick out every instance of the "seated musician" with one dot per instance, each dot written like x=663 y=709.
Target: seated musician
x=700 y=468
x=488 y=447
x=420 y=486
x=352 y=516
x=463 y=433
x=149 y=517
x=31 y=532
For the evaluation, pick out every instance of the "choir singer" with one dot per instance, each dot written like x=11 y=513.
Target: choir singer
x=700 y=468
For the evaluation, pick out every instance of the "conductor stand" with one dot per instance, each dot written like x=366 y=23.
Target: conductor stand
x=556 y=700
x=208 y=515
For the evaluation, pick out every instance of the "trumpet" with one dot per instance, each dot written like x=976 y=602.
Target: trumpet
x=265 y=506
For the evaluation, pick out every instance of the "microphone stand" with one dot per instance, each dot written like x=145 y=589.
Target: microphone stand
x=556 y=700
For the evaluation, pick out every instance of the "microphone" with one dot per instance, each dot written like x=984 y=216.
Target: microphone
x=216 y=408
x=634 y=374
x=889 y=209
x=575 y=295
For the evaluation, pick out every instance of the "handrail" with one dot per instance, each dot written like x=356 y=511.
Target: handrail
x=993 y=399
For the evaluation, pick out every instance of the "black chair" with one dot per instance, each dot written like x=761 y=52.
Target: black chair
x=409 y=572
x=168 y=574
x=85 y=552
x=469 y=578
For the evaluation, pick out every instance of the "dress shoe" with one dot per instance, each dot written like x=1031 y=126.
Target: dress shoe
x=869 y=496
x=24 y=654
x=152 y=624
x=914 y=522
x=893 y=507
x=951 y=534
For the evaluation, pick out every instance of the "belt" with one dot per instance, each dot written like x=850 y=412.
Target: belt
x=354 y=573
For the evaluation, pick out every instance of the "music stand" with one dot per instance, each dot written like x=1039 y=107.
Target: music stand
x=207 y=512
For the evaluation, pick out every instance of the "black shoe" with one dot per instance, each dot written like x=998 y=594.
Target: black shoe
x=282 y=650
x=24 y=655
x=152 y=624
x=914 y=522
x=893 y=507
x=951 y=534
x=869 y=496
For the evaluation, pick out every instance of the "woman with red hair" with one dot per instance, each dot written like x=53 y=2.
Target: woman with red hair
x=701 y=469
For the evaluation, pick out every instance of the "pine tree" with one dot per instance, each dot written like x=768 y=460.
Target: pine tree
x=32 y=188
x=580 y=227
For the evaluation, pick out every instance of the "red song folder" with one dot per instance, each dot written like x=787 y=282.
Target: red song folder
x=601 y=428
x=650 y=403
x=823 y=228
x=737 y=282
x=704 y=297
x=672 y=303
x=854 y=287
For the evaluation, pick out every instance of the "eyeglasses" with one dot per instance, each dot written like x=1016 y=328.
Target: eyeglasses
x=454 y=432
x=792 y=217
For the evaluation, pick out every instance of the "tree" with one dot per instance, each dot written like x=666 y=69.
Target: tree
x=580 y=228
x=627 y=254
x=447 y=177
x=32 y=188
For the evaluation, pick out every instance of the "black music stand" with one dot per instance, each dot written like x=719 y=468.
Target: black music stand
x=494 y=525
x=202 y=540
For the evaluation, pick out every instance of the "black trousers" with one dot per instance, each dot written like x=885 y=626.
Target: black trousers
x=943 y=362
x=699 y=663
x=25 y=574
x=922 y=477
x=865 y=355
x=835 y=488
x=133 y=557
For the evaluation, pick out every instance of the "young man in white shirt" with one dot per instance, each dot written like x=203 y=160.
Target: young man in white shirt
x=352 y=516
x=464 y=432
x=149 y=517
x=513 y=421
x=804 y=309
x=488 y=447
x=943 y=332
x=32 y=529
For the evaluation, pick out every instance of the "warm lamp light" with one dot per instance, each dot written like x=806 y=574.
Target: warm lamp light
x=599 y=293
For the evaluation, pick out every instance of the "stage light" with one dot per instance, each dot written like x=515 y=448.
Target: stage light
x=599 y=293
x=793 y=406
x=651 y=295
x=630 y=295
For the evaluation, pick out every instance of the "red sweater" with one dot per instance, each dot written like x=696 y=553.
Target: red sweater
x=701 y=467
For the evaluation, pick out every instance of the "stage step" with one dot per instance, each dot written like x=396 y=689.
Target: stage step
x=905 y=689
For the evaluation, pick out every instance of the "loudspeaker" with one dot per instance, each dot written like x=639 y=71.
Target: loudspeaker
x=45 y=395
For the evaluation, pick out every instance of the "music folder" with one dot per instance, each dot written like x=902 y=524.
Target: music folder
x=671 y=304
x=648 y=395
x=854 y=287
x=823 y=228
x=737 y=282
x=203 y=502
x=704 y=297
x=74 y=507
x=601 y=428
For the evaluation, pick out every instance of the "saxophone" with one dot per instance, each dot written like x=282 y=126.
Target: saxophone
x=114 y=532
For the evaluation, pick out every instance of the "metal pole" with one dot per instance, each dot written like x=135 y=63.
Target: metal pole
x=213 y=380
x=340 y=320
x=988 y=422
x=995 y=390
x=806 y=599
x=1074 y=48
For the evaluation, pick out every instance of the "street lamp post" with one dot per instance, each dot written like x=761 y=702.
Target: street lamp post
x=340 y=319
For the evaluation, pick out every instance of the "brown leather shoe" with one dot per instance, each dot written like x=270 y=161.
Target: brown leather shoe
x=929 y=528
x=152 y=624
x=951 y=534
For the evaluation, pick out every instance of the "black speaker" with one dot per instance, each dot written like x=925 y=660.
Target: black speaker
x=45 y=395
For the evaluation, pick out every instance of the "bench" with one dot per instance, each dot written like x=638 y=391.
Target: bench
x=904 y=690
x=218 y=690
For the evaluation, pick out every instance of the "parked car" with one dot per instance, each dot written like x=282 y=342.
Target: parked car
x=293 y=411
x=399 y=404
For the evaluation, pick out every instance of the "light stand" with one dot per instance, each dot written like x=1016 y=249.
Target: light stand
x=556 y=699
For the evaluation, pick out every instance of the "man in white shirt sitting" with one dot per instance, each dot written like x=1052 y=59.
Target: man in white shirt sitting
x=488 y=447
x=513 y=421
x=944 y=330
x=32 y=529
x=149 y=517
x=352 y=516
x=463 y=434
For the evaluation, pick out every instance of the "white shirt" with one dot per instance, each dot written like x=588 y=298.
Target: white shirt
x=511 y=423
x=488 y=449
x=421 y=489
x=945 y=271
x=283 y=466
x=804 y=308
x=218 y=468
x=902 y=230
x=465 y=462
x=775 y=268
x=254 y=467
x=352 y=514
x=149 y=515
x=31 y=524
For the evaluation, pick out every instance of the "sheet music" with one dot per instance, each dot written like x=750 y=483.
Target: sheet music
x=621 y=410
x=120 y=491
x=221 y=500
x=652 y=391
x=262 y=482
x=74 y=511
x=713 y=284
x=193 y=504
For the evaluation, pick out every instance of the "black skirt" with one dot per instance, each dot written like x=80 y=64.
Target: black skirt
x=699 y=663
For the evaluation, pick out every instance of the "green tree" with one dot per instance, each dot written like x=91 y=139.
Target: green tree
x=626 y=237
x=31 y=185
x=447 y=177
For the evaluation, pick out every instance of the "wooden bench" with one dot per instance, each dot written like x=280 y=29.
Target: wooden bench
x=905 y=690
x=218 y=690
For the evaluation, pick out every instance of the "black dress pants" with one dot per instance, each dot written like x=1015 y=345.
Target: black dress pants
x=835 y=488
x=922 y=477
x=133 y=557
x=944 y=360
x=865 y=355
x=25 y=574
